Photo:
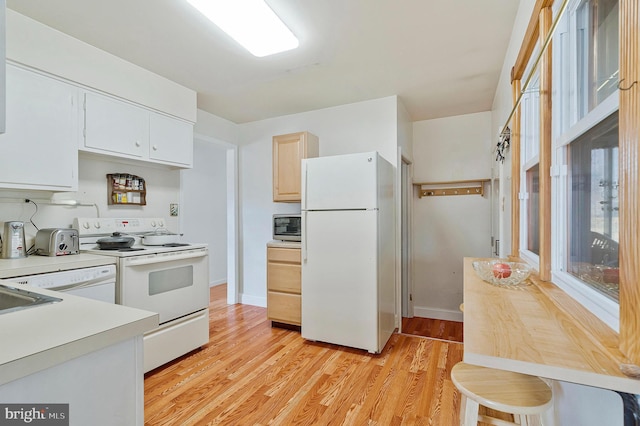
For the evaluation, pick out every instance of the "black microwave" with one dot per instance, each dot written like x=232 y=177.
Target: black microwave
x=287 y=227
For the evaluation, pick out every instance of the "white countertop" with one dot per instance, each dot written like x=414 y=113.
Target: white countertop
x=32 y=265
x=41 y=337
x=284 y=244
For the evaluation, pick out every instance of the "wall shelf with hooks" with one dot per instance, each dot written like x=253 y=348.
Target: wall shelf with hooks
x=453 y=187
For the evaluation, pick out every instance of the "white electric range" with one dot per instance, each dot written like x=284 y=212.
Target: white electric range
x=172 y=280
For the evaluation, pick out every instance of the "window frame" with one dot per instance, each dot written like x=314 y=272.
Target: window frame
x=601 y=306
x=628 y=341
x=529 y=124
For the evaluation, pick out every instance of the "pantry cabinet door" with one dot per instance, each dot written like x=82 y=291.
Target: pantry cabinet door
x=115 y=126
x=40 y=147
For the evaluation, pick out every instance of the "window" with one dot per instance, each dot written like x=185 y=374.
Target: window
x=585 y=156
x=533 y=209
x=530 y=169
x=593 y=233
x=592 y=123
x=596 y=51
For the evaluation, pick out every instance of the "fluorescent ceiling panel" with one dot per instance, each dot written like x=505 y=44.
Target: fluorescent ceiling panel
x=251 y=23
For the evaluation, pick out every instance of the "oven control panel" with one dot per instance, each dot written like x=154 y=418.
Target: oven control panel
x=106 y=226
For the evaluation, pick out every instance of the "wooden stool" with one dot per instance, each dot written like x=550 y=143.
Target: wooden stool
x=526 y=397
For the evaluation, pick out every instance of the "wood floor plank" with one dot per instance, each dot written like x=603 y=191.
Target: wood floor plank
x=433 y=328
x=252 y=374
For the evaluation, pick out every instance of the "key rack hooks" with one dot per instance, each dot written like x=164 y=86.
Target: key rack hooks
x=453 y=187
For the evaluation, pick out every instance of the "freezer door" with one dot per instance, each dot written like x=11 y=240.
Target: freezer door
x=340 y=182
x=339 y=278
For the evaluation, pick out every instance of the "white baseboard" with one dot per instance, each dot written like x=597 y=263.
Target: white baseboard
x=218 y=282
x=247 y=299
x=435 y=313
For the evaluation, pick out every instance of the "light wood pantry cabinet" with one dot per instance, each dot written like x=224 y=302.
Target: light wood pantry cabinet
x=288 y=152
x=284 y=300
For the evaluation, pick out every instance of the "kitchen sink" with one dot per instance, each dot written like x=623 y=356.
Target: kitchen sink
x=16 y=299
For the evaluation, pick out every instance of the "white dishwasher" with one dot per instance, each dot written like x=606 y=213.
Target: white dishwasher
x=97 y=282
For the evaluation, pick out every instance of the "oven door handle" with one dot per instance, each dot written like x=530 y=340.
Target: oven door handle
x=96 y=281
x=159 y=258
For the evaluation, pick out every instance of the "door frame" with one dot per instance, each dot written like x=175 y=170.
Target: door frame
x=404 y=189
x=233 y=221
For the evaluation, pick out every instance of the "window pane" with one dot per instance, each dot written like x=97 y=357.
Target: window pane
x=593 y=207
x=533 y=208
x=597 y=48
x=562 y=86
x=530 y=119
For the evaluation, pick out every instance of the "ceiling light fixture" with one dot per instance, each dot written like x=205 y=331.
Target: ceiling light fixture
x=251 y=23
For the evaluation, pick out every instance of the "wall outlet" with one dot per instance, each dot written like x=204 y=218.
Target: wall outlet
x=173 y=209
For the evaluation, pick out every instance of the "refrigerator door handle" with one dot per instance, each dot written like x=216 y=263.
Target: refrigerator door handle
x=304 y=236
x=304 y=188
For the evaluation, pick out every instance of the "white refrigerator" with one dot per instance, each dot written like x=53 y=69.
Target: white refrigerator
x=348 y=250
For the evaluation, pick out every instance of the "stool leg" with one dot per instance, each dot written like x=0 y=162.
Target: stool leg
x=468 y=412
x=531 y=420
x=463 y=408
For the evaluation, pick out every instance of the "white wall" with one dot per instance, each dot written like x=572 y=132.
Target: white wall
x=358 y=127
x=574 y=404
x=448 y=228
x=204 y=205
x=405 y=133
x=224 y=131
x=206 y=211
x=163 y=188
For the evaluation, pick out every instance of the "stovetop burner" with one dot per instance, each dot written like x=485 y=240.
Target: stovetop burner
x=123 y=248
x=92 y=229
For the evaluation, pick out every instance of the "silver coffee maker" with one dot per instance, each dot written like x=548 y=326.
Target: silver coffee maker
x=13 y=242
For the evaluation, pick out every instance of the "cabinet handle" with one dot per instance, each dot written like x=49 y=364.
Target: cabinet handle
x=155 y=147
x=138 y=143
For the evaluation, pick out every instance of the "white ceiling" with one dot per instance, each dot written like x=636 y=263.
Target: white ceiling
x=442 y=58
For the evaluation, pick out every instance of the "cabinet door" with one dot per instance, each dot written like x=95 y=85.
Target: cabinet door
x=170 y=140
x=283 y=277
x=115 y=126
x=287 y=255
x=40 y=147
x=288 y=152
x=284 y=307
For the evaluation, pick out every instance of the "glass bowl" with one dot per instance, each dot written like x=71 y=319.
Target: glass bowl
x=502 y=273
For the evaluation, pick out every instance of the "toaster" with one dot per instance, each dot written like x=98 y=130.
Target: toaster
x=57 y=242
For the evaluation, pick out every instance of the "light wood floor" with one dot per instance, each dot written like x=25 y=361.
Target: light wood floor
x=252 y=374
x=433 y=328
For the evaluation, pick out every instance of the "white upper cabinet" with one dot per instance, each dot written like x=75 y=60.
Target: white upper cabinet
x=40 y=146
x=170 y=140
x=115 y=126
x=121 y=129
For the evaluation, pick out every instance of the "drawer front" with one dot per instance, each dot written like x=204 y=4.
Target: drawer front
x=284 y=277
x=276 y=254
x=284 y=307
